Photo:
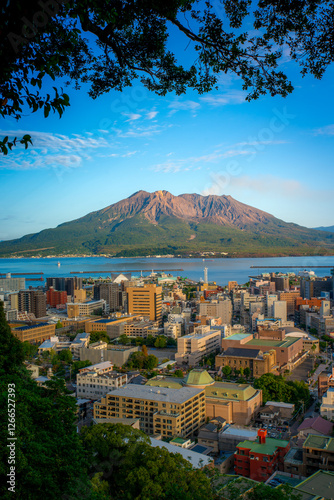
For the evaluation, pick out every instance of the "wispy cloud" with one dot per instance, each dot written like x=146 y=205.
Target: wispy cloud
x=140 y=131
x=132 y=116
x=263 y=185
x=229 y=97
x=327 y=130
x=51 y=150
x=195 y=162
x=180 y=105
x=151 y=114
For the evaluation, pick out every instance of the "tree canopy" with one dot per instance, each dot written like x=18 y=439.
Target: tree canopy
x=276 y=388
x=132 y=40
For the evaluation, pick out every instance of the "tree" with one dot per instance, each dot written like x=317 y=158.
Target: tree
x=65 y=355
x=160 y=342
x=247 y=372
x=134 y=469
x=130 y=40
x=144 y=350
x=59 y=324
x=49 y=458
x=275 y=388
x=124 y=339
x=178 y=373
x=227 y=370
x=97 y=336
x=29 y=350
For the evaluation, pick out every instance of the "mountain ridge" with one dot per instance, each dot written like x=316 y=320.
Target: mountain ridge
x=159 y=222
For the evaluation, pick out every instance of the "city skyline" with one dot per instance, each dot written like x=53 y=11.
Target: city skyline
x=273 y=153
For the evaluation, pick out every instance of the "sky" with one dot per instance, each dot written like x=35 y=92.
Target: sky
x=275 y=153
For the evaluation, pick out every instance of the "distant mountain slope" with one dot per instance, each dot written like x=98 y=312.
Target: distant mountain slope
x=329 y=229
x=151 y=223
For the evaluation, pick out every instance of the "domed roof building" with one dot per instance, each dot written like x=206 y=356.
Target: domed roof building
x=199 y=379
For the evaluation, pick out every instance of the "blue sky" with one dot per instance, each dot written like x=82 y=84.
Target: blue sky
x=275 y=154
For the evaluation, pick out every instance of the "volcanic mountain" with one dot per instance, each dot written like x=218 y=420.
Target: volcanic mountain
x=160 y=223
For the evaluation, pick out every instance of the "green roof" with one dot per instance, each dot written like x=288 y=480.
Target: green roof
x=199 y=377
x=169 y=382
x=320 y=442
x=321 y=483
x=230 y=391
x=237 y=336
x=178 y=440
x=273 y=343
x=267 y=448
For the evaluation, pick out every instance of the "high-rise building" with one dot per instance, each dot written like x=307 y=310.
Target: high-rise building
x=111 y=293
x=145 y=301
x=55 y=298
x=32 y=301
x=9 y=284
x=64 y=284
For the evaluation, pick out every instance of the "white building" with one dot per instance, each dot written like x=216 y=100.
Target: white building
x=193 y=347
x=327 y=407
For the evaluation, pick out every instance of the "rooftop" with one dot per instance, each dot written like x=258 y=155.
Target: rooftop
x=29 y=327
x=156 y=393
x=169 y=382
x=237 y=336
x=267 y=448
x=240 y=352
x=321 y=483
x=199 y=377
x=230 y=391
x=319 y=442
x=274 y=343
x=318 y=424
x=197 y=460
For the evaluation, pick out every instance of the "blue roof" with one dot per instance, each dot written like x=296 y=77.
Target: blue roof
x=198 y=448
x=104 y=320
x=28 y=327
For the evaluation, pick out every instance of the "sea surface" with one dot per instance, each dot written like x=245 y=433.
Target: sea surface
x=219 y=270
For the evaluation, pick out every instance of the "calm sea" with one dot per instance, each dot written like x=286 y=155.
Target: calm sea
x=219 y=270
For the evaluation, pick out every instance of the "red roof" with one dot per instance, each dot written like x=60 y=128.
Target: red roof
x=317 y=424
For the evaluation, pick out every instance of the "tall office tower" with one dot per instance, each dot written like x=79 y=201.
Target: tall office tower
x=64 y=284
x=111 y=293
x=281 y=282
x=280 y=310
x=145 y=301
x=206 y=275
x=32 y=301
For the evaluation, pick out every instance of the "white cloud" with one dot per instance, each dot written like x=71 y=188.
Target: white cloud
x=190 y=163
x=230 y=97
x=179 y=105
x=221 y=182
x=328 y=130
x=51 y=150
x=132 y=116
x=151 y=114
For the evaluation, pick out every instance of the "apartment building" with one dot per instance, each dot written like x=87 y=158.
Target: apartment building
x=35 y=333
x=327 y=406
x=32 y=301
x=94 y=384
x=111 y=293
x=193 y=347
x=116 y=354
x=55 y=298
x=318 y=454
x=165 y=411
x=84 y=308
x=217 y=309
x=145 y=301
x=259 y=459
x=142 y=329
x=10 y=284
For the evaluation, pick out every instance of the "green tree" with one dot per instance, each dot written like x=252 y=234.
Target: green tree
x=134 y=469
x=49 y=458
x=77 y=365
x=227 y=370
x=151 y=362
x=247 y=372
x=59 y=324
x=97 y=336
x=65 y=355
x=129 y=41
x=124 y=339
x=29 y=350
x=144 y=350
x=160 y=342
x=178 y=373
